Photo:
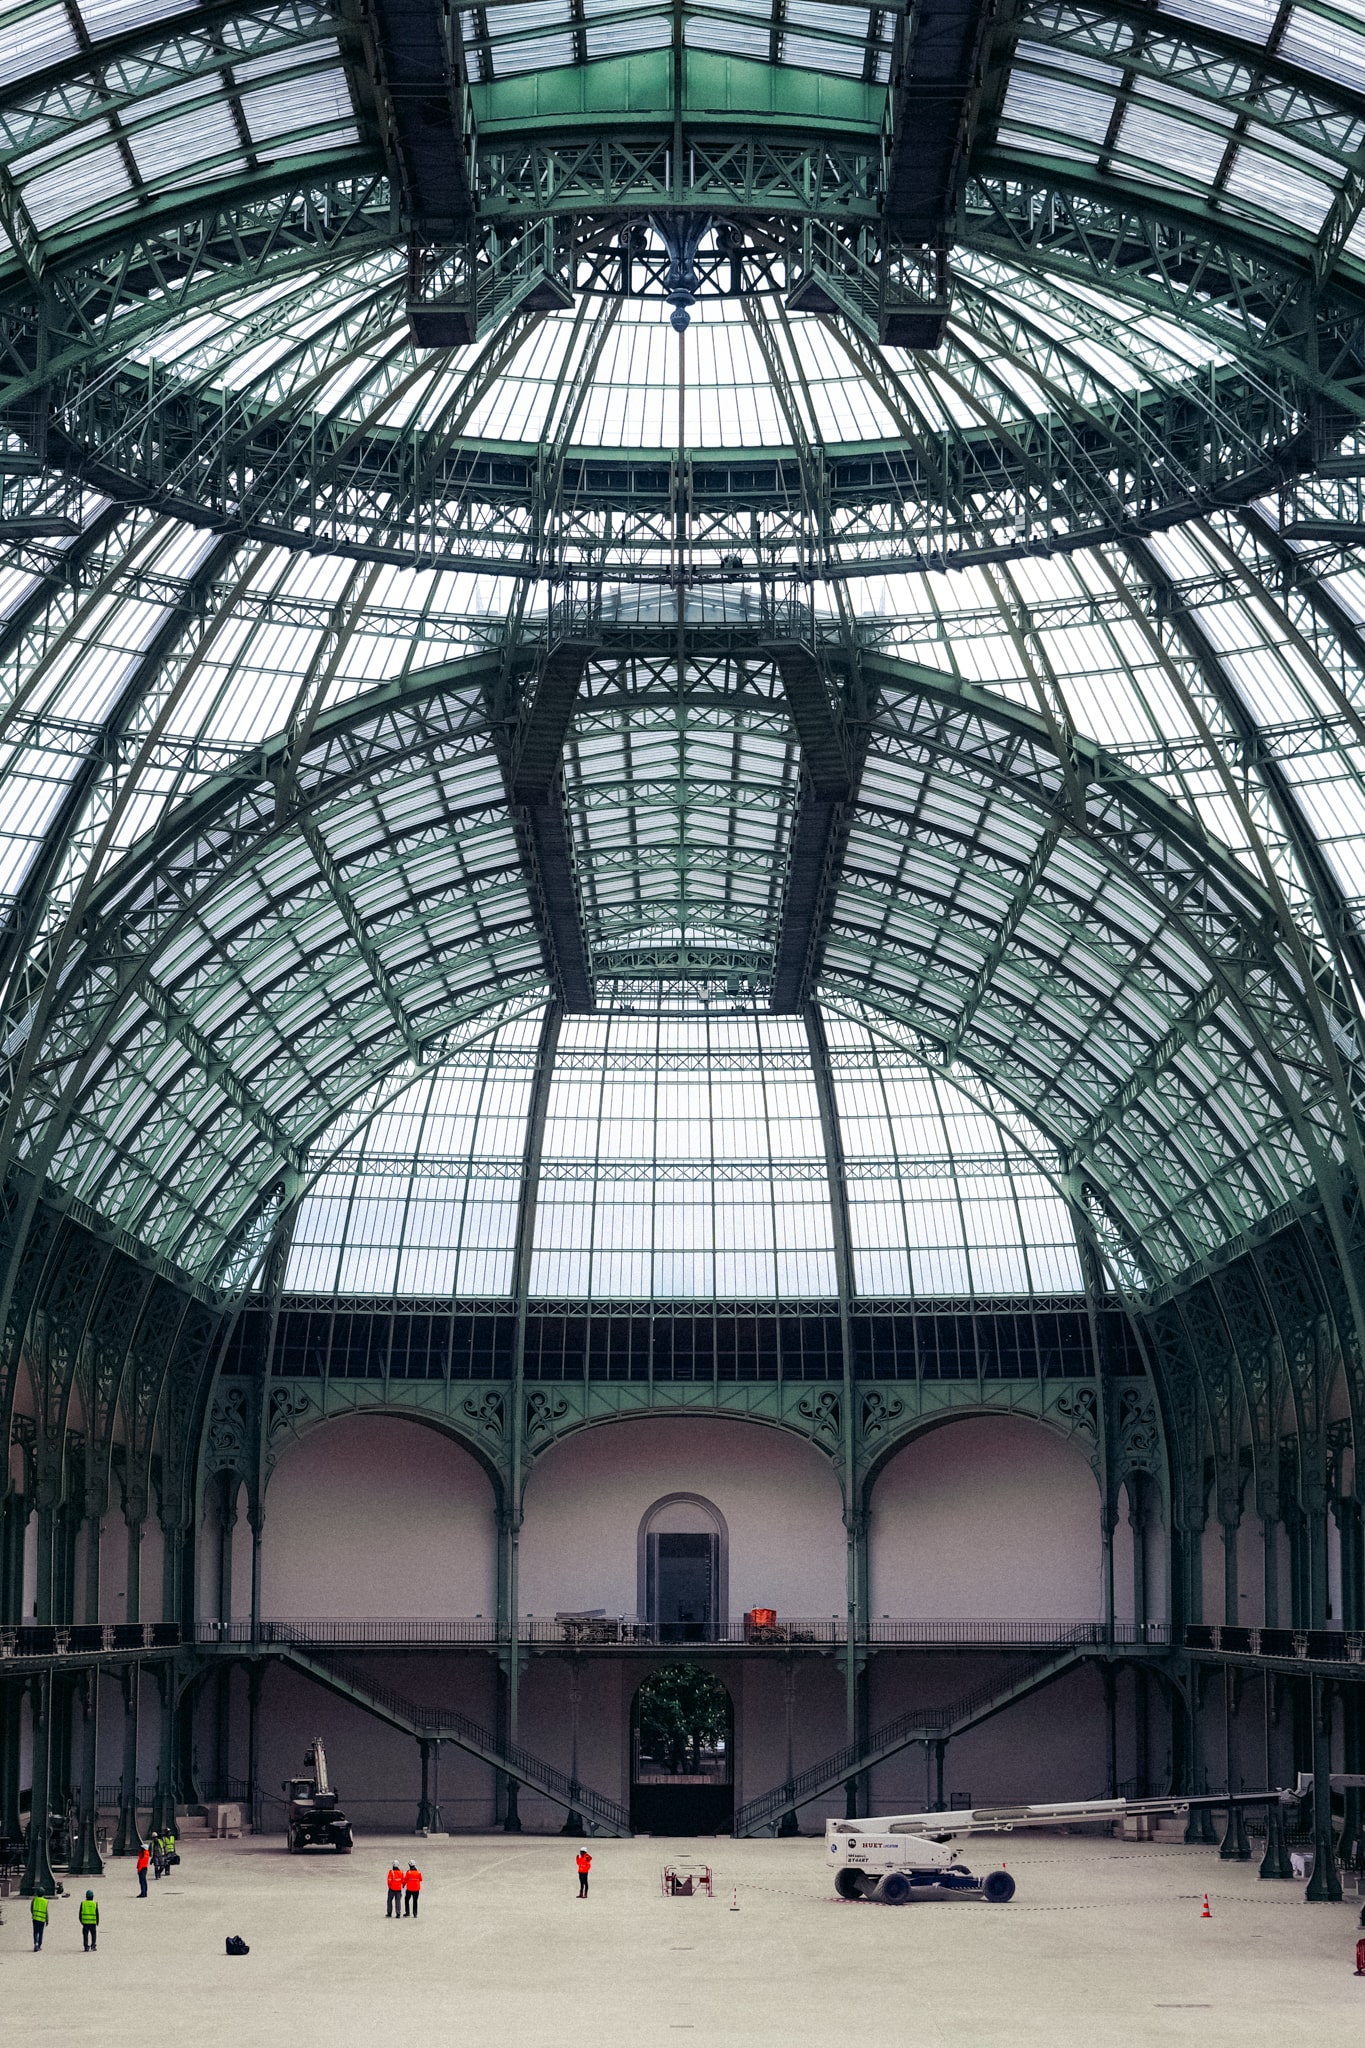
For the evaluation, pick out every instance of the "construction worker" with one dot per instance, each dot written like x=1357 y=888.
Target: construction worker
x=583 y=1864
x=395 y=1910
x=412 y=1890
x=167 y=1848
x=90 y=1922
x=144 y=1857
x=39 y=1911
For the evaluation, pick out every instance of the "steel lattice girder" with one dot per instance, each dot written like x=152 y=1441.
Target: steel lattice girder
x=1092 y=462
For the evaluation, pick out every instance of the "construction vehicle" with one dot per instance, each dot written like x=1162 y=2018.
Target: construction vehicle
x=900 y=1857
x=314 y=1819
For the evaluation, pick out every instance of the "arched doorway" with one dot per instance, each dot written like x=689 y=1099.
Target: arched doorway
x=682 y=1743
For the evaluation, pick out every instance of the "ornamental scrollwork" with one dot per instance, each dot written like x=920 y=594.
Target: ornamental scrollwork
x=880 y=1411
x=487 y=1412
x=824 y=1414
x=544 y=1411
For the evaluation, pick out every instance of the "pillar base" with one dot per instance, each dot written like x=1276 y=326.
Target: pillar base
x=1275 y=1862
x=89 y=1862
x=512 y=1820
x=1234 y=1847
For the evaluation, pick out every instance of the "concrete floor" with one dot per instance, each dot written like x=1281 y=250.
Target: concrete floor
x=1104 y=1944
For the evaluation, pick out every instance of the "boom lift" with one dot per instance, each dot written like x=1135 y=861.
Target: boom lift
x=903 y=1856
x=315 y=1821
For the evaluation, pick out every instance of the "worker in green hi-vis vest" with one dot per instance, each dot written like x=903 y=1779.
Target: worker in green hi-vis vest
x=39 y=1912
x=90 y=1922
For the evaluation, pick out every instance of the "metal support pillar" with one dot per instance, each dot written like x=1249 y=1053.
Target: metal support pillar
x=1234 y=1847
x=1275 y=1862
x=1109 y=1678
x=89 y=1862
x=128 y=1838
x=163 y=1806
x=1325 y=1883
x=855 y=1517
x=437 y=1821
x=573 y=1824
x=789 y=1825
x=11 y=1707
x=255 y=1673
x=37 y=1868
x=423 y=1826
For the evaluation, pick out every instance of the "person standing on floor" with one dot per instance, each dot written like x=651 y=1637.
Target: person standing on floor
x=412 y=1890
x=90 y=1922
x=395 y=1910
x=38 y=1909
x=144 y=1857
x=583 y=1864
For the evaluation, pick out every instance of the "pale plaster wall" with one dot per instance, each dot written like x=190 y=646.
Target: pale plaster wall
x=987 y=1517
x=370 y=1516
x=780 y=1499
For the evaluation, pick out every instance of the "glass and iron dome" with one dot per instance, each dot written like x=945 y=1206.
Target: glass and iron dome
x=633 y=726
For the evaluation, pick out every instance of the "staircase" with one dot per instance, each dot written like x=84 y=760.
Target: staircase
x=447 y=1724
x=921 y=1724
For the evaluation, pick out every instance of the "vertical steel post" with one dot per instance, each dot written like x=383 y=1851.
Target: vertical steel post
x=855 y=1518
x=511 y=1516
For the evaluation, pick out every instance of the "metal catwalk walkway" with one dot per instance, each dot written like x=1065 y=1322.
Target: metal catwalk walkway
x=921 y=1724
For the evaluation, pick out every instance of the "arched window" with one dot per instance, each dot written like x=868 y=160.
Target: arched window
x=684 y=1569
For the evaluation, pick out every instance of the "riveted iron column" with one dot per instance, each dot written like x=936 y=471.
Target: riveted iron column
x=1234 y=1847
x=37 y=1868
x=1275 y=1862
x=855 y=1514
x=128 y=1839
x=163 y=1805
x=423 y=1826
x=510 y=1519
x=1325 y=1883
x=89 y=1862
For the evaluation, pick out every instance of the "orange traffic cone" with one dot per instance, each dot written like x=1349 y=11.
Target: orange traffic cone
x=1206 y=1915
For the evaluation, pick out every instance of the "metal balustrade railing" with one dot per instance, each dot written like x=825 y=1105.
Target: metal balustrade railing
x=44 y=1640
x=626 y=1630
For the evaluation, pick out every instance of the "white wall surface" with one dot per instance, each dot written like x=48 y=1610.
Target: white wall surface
x=371 y=1516
x=988 y=1517
x=585 y=1500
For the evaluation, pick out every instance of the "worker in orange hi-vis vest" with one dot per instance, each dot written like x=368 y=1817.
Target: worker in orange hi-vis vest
x=412 y=1890
x=583 y=1864
x=395 y=1883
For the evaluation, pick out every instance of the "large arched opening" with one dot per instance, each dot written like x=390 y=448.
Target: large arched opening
x=682 y=1743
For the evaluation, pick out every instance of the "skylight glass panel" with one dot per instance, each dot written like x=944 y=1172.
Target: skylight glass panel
x=422 y=1203
x=683 y=1159
x=944 y=1202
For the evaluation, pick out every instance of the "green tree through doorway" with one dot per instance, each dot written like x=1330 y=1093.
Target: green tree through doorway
x=682 y=1777
x=684 y=1716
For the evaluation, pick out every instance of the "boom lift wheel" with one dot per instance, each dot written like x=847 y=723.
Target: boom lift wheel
x=997 y=1886
x=894 y=1889
x=849 y=1884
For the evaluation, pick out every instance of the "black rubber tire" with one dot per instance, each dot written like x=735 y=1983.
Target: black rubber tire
x=849 y=1884
x=997 y=1887
x=893 y=1890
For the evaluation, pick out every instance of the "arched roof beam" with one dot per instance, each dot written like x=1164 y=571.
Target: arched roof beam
x=1334 y=918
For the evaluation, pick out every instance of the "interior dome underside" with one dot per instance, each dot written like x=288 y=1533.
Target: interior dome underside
x=627 y=698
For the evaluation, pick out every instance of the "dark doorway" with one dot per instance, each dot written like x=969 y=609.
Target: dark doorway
x=682 y=1737
x=682 y=1587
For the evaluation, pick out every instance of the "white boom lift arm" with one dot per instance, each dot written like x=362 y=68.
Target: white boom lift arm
x=894 y=1857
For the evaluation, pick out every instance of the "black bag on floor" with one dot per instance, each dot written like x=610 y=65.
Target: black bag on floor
x=174 y=1857
x=236 y=1946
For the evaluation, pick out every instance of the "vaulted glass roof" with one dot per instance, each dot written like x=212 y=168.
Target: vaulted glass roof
x=674 y=734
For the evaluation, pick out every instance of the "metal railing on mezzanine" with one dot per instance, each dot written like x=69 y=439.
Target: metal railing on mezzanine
x=626 y=1631
x=591 y=1631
